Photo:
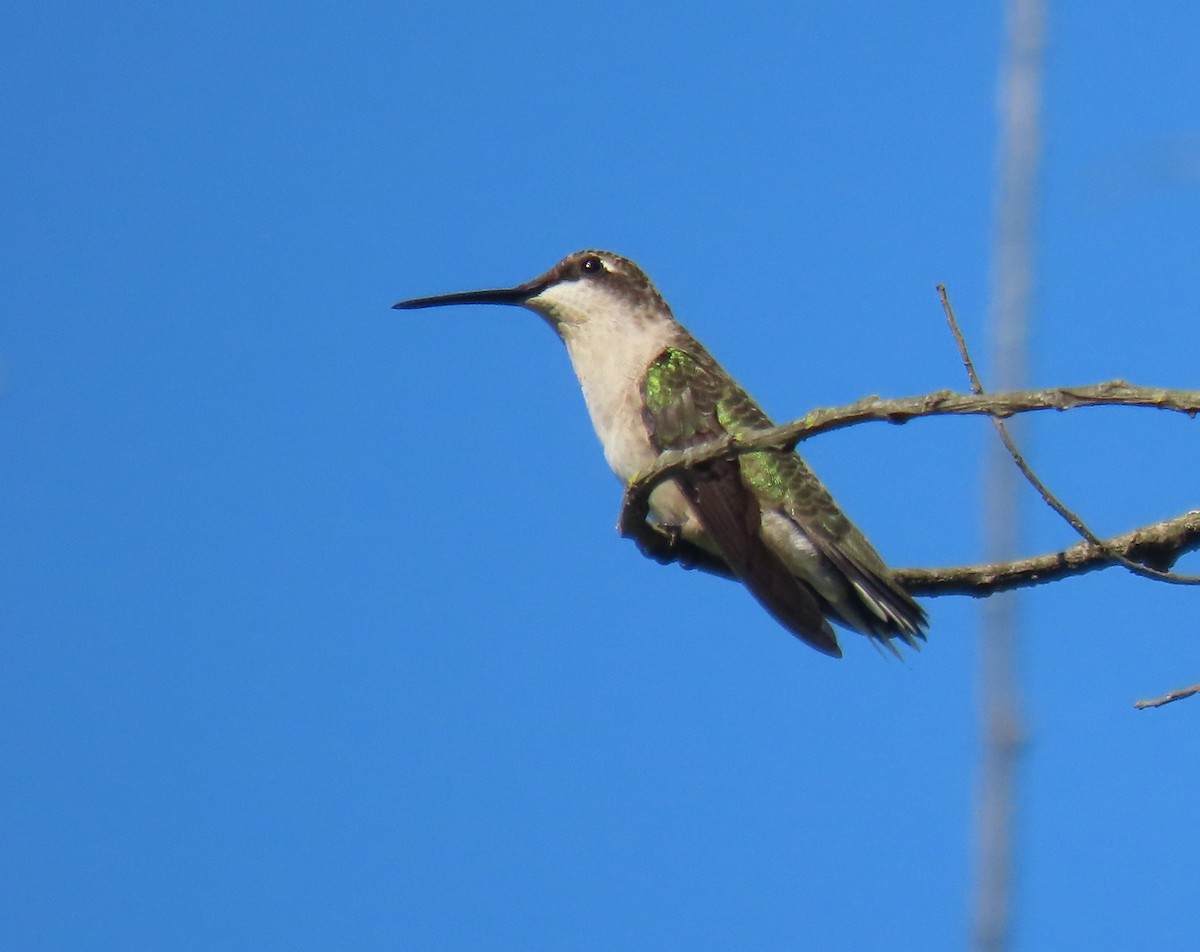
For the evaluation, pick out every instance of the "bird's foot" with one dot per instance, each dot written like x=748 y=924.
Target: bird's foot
x=661 y=543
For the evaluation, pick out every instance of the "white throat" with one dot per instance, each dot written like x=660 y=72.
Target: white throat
x=610 y=349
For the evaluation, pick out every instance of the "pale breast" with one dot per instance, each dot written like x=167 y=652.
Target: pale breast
x=610 y=359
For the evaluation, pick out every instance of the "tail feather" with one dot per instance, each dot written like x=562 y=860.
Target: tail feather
x=889 y=611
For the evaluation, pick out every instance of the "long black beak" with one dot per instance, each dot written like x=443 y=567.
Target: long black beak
x=518 y=295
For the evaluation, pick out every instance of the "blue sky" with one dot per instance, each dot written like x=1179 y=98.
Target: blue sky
x=316 y=631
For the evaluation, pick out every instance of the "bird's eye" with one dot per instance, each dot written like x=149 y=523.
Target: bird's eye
x=592 y=265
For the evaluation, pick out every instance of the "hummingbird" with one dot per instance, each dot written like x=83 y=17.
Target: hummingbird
x=762 y=518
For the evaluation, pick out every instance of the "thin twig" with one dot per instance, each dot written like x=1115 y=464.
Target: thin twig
x=1168 y=698
x=959 y=340
x=1072 y=518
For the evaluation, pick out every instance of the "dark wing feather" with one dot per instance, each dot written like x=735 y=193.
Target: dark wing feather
x=681 y=393
x=884 y=609
x=876 y=605
x=892 y=611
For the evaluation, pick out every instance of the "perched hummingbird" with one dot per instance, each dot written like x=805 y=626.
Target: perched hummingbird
x=762 y=518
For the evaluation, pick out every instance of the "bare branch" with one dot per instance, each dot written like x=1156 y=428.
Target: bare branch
x=1168 y=698
x=1072 y=518
x=902 y=409
x=1155 y=547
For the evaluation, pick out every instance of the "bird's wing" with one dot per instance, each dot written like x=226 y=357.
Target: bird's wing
x=879 y=607
x=683 y=392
